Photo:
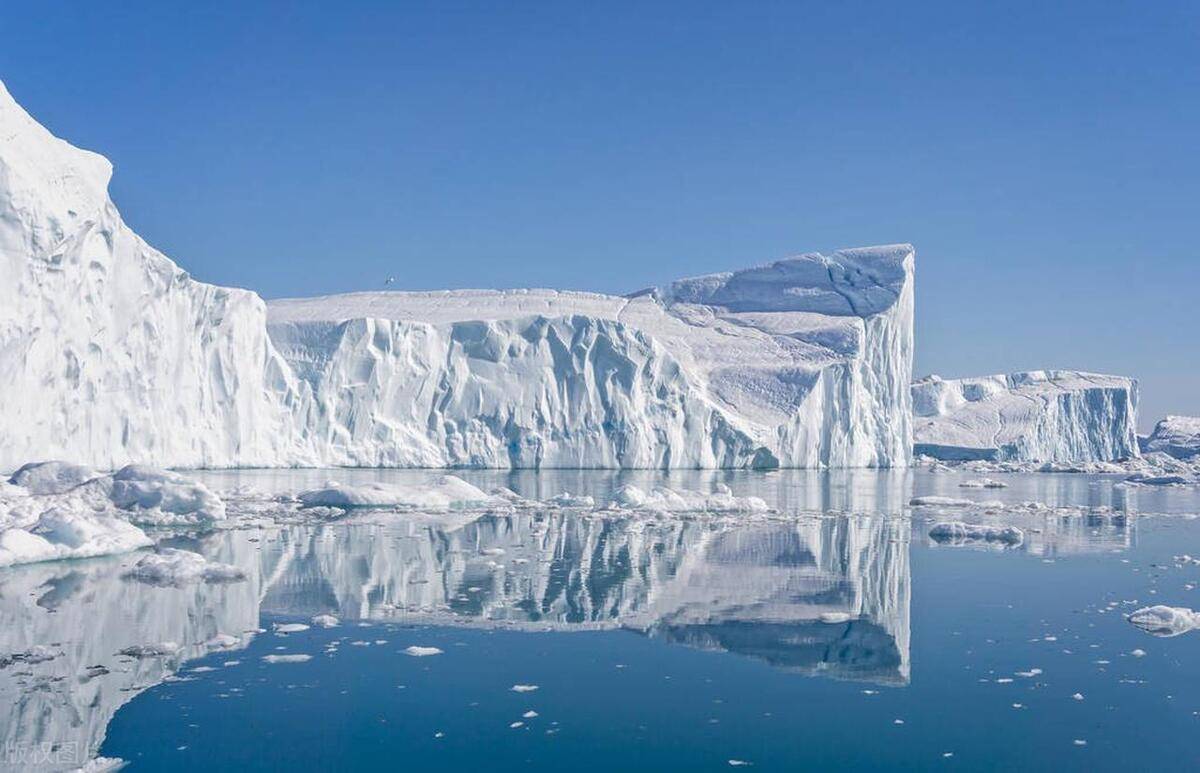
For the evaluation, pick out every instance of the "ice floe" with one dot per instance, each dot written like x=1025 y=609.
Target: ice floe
x=959 y=532
x=447 y=492
x=171 y=566
x=297 y=658
x=663 y=499
x=421 y=652
x=1162 y=620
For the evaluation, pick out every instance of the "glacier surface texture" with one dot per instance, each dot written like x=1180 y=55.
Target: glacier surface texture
x=111 y=354
x=1036 y=416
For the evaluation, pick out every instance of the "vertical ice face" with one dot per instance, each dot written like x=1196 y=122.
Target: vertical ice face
x=1037 y=416
x=110 y=354
x=801 y=363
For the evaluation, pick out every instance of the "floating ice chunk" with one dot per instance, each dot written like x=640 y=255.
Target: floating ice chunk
x=222 y=641
x=161 y=497
x=325 y=621
x=421 y=652
x=567 y=499
x=982 y=483
x=529 y=714
x=60 y=533
x=1138 y=653
x=835 y=617
x=663 y=499
x=515 y=725
x=1161 y=620
x=739 y=763
x=1077 y=696
x=959 y=532
x=101 y=765
x=171 y=566
x=51 y=477
x=444 y=493
x=523 y=687
x=290 y=627
x=287 y=658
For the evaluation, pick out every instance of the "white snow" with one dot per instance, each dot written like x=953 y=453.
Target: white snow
x=1161 y=620
x=1044 y=416
x=957 y=531
x=171 y=566
x=447 y=492
x=1177 y=436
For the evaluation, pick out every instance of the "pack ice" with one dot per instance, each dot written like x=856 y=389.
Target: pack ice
x=1035 y=416
x=111 y=354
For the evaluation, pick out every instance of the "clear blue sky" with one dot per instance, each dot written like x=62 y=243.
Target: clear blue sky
x=1043 y=157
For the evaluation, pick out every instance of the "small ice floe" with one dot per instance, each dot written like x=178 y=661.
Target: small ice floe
x=957 y=532
x=663 y=499
x=202 y=669
x=1077 y=696
x=290 y=627
x=567 y=499
x=158 y=650
x=523 y=687
x=739 y=763
x=421 y=652
x=833 y=618
x=936 y=501
x=161 y=497
x=515 y=725
x=1161 y=620
x=492 y=552
x=1138 y=653
x=286 y=658
x=1030 y=673
x=325 y=621
x=62 y=531
x=982 y=483
x=529 y=714
x=446 y=492
x=1079 y=742
x=171 y=566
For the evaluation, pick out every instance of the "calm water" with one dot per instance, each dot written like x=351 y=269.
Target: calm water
x=838 y=636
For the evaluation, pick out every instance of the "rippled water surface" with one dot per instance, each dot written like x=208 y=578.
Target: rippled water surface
x=832 y=634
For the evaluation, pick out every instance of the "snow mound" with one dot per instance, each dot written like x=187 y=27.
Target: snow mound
x=958 y=532
x=51 y=477
x=664 y=499
x=1176 y=436
x=1161 y=620
x=171 y=566
x=1042 y=416
x=447 y=492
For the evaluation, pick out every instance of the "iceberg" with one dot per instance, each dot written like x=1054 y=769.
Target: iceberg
x=1177 y=436
x=110 y=354
x=1033 y=416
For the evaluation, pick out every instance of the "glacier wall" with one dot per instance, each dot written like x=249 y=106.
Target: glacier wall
x=1035 y=416
x=111 y=354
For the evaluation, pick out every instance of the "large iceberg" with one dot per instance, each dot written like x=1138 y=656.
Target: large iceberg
x=1035 y=416
x=111 y=354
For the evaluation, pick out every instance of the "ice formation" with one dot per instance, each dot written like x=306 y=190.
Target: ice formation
x=1038 y=416
x=110 y=354
x=1177 y=436
x=959 y=532
x=447 y=492
x=171 y=566
x=1161 y=620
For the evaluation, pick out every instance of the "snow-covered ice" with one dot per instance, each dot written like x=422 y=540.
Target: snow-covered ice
x=1177 y=436
x=445 y=493
x=421 y=652
x=53 y=477
x=286 y=658
x=663 y=499
x=171 y=566
x=1043 y=416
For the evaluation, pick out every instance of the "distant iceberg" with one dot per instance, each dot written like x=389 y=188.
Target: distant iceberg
x=1034 y=416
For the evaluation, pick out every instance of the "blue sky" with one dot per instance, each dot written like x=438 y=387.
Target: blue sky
x=1041 y=156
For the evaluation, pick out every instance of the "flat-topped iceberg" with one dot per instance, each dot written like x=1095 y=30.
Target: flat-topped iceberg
x=1034 y=416
x=112 y=354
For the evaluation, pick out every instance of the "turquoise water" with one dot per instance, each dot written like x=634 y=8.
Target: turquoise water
x=834 y=636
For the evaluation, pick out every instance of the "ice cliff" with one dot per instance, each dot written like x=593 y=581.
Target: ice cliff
x=1037 y=416
x=111 y=354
